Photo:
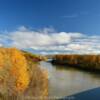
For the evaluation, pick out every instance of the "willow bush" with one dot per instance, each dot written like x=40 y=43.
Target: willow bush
x=20 y=77
x=91 y=62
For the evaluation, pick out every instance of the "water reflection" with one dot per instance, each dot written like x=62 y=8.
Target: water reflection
x=67 y=81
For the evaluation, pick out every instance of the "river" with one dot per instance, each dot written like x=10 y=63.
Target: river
x=65 y=80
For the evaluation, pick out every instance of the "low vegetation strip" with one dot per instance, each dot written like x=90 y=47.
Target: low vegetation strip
x=90 y=62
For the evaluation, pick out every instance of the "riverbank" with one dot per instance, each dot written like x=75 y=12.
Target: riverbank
x=84 y=62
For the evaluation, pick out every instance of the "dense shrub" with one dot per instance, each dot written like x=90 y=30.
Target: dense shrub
x=20 y=76
x=13 y=70
x=91 y=62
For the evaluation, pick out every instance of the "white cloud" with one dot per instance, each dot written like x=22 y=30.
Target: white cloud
x=27 y=39
x=1 y=45
x=77 y=46
x=49 y=41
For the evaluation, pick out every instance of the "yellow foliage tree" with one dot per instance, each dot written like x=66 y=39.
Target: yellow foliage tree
x=1 y=60
x=19 y=76
x=14 y=69
x=19 y=69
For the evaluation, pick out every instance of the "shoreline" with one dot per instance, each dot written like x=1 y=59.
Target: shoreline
x=83 y=62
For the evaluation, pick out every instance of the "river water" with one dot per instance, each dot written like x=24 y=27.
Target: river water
x=65 y=80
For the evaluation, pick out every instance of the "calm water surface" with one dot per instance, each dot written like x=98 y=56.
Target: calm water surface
x=65 y=81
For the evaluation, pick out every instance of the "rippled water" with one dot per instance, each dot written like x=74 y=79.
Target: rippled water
x=65 y=81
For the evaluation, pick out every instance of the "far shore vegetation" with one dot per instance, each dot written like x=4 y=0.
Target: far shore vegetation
x=86 y=62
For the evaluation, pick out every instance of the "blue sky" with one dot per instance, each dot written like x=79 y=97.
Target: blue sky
x=64 y=15
x=66 y=19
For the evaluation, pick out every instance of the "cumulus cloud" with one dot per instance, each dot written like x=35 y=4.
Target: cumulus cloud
x=27 y=39
x=78 y=46
x=49 y=41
